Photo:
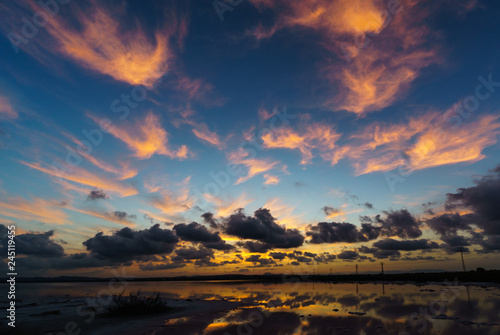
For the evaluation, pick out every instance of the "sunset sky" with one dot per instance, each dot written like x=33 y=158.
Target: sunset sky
x=201 y=137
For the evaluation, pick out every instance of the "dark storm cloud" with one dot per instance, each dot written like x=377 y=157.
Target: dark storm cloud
x=257 y=259
x=328 y=210
x=334 y=232
x=97 y=195
x=127 y=244
x=348 y=255
x=195 y=232
x=325 y=257
x=38 y=244
x=255 y=246
x=123 y=215
x=490 y=244
x=483 y=200
x=380 y=254
x=407 y=245
x=448 y=224
x=368 y=205
x=210 y=220
x=164 y=266
x=278 y=255
x=263 y=228
x=192 y=253
x=399 y=223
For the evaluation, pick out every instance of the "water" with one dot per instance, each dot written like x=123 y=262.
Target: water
x=313 y=308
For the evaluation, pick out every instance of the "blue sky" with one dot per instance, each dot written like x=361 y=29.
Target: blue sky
x=314 y=135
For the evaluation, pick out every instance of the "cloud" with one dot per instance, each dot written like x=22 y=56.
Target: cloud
x=399 y=223
x=146 y=138
x=377 y=50
x=424 y=141
x=201 y=129
x=36 y=209
x=257 y=259
x=481 y=219
x=334 y=232
x=209 y=218
x=254 y=166
x=448 y=224
x=225 y=207
x=408 y=245
x=348 y=255
x=127 y=244
x=97 y=195
x=84 y=177
x=270 y=179
x=314 y=136
x=380 y=254
x=119 y=217
x=482 y=199
x=195 y=232
x=7 y=112
x=95 y=39
x=171 y=203
x=263 y=228
x=38 y=244
x=123 y=172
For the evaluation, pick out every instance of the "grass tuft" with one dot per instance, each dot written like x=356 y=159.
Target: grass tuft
x=137 y=304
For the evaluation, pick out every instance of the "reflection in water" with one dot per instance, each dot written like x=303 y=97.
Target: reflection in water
x=321 y=308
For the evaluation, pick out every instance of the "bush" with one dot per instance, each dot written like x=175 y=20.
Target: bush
x=137 y=304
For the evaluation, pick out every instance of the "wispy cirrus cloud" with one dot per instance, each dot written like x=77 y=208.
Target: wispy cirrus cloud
x=255 y=166
x=424 y=141
x=170 y=202
x=7 y=112
x=84 y=177
x=200 y=129
x=47 y=211
x=125 y=171
x=97 y=39
x=146 y=138
x=227 y=206
x=384 y=45
x=314 y=136
x=420 y=142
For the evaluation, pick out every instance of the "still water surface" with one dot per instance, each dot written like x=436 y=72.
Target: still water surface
x=316 y=308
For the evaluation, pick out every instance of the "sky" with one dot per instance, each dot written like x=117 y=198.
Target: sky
x=249 y=136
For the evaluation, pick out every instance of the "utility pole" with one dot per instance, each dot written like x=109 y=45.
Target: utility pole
x=382 y=266
x=330 y=271
x=463 y=262
x=356 y=269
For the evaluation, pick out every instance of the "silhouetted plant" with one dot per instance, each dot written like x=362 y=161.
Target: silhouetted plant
x=136 y=303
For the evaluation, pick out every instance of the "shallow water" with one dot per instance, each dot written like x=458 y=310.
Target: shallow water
x=313 y=308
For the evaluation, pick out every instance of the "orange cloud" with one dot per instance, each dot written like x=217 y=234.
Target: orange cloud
x=124 y=172
x=320 y=136
x=425 y=141
x=6 y=110
x=226 y=207
x=47 y=211
x=84 y=177
x=200 y=129
x=105 y=216
x=271 y=180
x=383 y=44
x=255 y=166
x=146 y=138
x=173 y=203
x=101 y=43
x=283 y=213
